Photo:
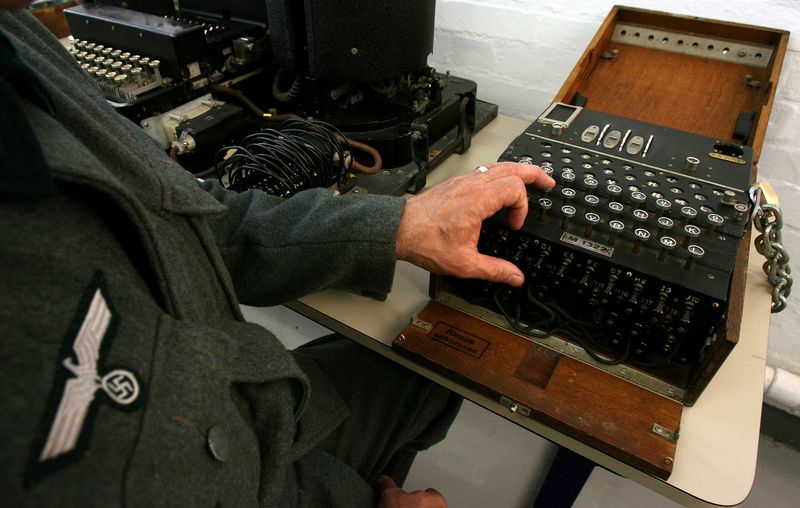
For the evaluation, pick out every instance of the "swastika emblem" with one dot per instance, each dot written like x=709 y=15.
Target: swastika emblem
x=121 y=386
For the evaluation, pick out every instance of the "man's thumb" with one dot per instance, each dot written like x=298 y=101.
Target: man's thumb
x=499 y=270
x=384 y=482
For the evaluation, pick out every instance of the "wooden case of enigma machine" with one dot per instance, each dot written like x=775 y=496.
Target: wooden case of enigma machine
x=635 y=262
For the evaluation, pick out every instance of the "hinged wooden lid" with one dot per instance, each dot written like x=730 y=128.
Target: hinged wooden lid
x=652 y=73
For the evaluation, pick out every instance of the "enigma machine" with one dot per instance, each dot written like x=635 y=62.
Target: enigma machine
x=282 y=95
x=635 y=261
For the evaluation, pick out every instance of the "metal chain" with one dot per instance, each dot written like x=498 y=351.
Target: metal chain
x=768 y=221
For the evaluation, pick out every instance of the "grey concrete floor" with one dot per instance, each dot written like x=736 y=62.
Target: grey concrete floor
x=489 y=462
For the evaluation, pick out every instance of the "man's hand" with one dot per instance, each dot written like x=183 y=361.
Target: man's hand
x=392 y=496
x=439 y=228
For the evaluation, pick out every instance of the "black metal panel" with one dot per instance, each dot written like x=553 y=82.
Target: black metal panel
x=175 y=43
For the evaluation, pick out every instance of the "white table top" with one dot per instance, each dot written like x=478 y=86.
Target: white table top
x=716 y=454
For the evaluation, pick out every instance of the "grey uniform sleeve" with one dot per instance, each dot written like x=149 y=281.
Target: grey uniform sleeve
x=280 y=249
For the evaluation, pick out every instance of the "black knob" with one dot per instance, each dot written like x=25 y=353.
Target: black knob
x=586 y=276
x=663 y=204
x=691 y=232
x=591 y=201
x=564 y=265
x=688 y=213
x=688 y=310
x=545 y=204
x=638 y=197
x=741 y=210
x=542 y=257
x=662 y=303
x=667 y=244
x=714 y=220
x=567 y=177
x=665 y=224
x=614 y=190
x=612 y=282
x=636 y=293
x=617 y=227
x=568 y=212
x=642 y=235
x=615 y=207
x=695 y=252
x=592 y=219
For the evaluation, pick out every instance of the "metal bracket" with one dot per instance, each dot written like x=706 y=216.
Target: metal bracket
x=669 y=435
x=515 y=407
x=739 y=52
x=420 y=323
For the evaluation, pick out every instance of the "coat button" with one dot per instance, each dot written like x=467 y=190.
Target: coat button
x=218 y=443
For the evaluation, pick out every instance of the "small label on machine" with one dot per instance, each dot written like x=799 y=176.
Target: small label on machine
x=459 y=339
x=585 y=243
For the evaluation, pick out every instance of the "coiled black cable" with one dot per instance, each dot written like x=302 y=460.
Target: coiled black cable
x=289 y=95
x=299 y=155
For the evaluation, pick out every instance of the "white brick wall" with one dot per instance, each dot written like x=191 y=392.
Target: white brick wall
x=521 y=51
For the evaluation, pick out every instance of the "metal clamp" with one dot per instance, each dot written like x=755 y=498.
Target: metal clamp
x=768 y=220
x=669 y=435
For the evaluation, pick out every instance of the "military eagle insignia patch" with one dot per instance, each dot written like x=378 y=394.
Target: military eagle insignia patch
x=121 y=386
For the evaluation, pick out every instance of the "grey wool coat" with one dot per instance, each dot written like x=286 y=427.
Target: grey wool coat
x=129 y=376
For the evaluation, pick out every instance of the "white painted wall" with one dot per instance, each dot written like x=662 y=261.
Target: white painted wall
x=521 y=51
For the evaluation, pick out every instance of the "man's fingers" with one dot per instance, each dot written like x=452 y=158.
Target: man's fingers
x=495 y=270
x=514 y=198
x=528 y=173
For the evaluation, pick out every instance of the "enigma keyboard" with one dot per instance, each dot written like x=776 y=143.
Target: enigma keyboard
x=630 y=256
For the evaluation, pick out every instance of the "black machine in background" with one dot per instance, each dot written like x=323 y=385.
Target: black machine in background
x=630 y=256
x=202 y=77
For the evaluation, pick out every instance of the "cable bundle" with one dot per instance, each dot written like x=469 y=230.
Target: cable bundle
x=541 y=319
x=300 y=155
x=556 y=321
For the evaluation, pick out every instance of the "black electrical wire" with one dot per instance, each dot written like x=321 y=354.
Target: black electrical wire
x=377 y=160
x=286 y=95
x=558 y=322
x=299 y=155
